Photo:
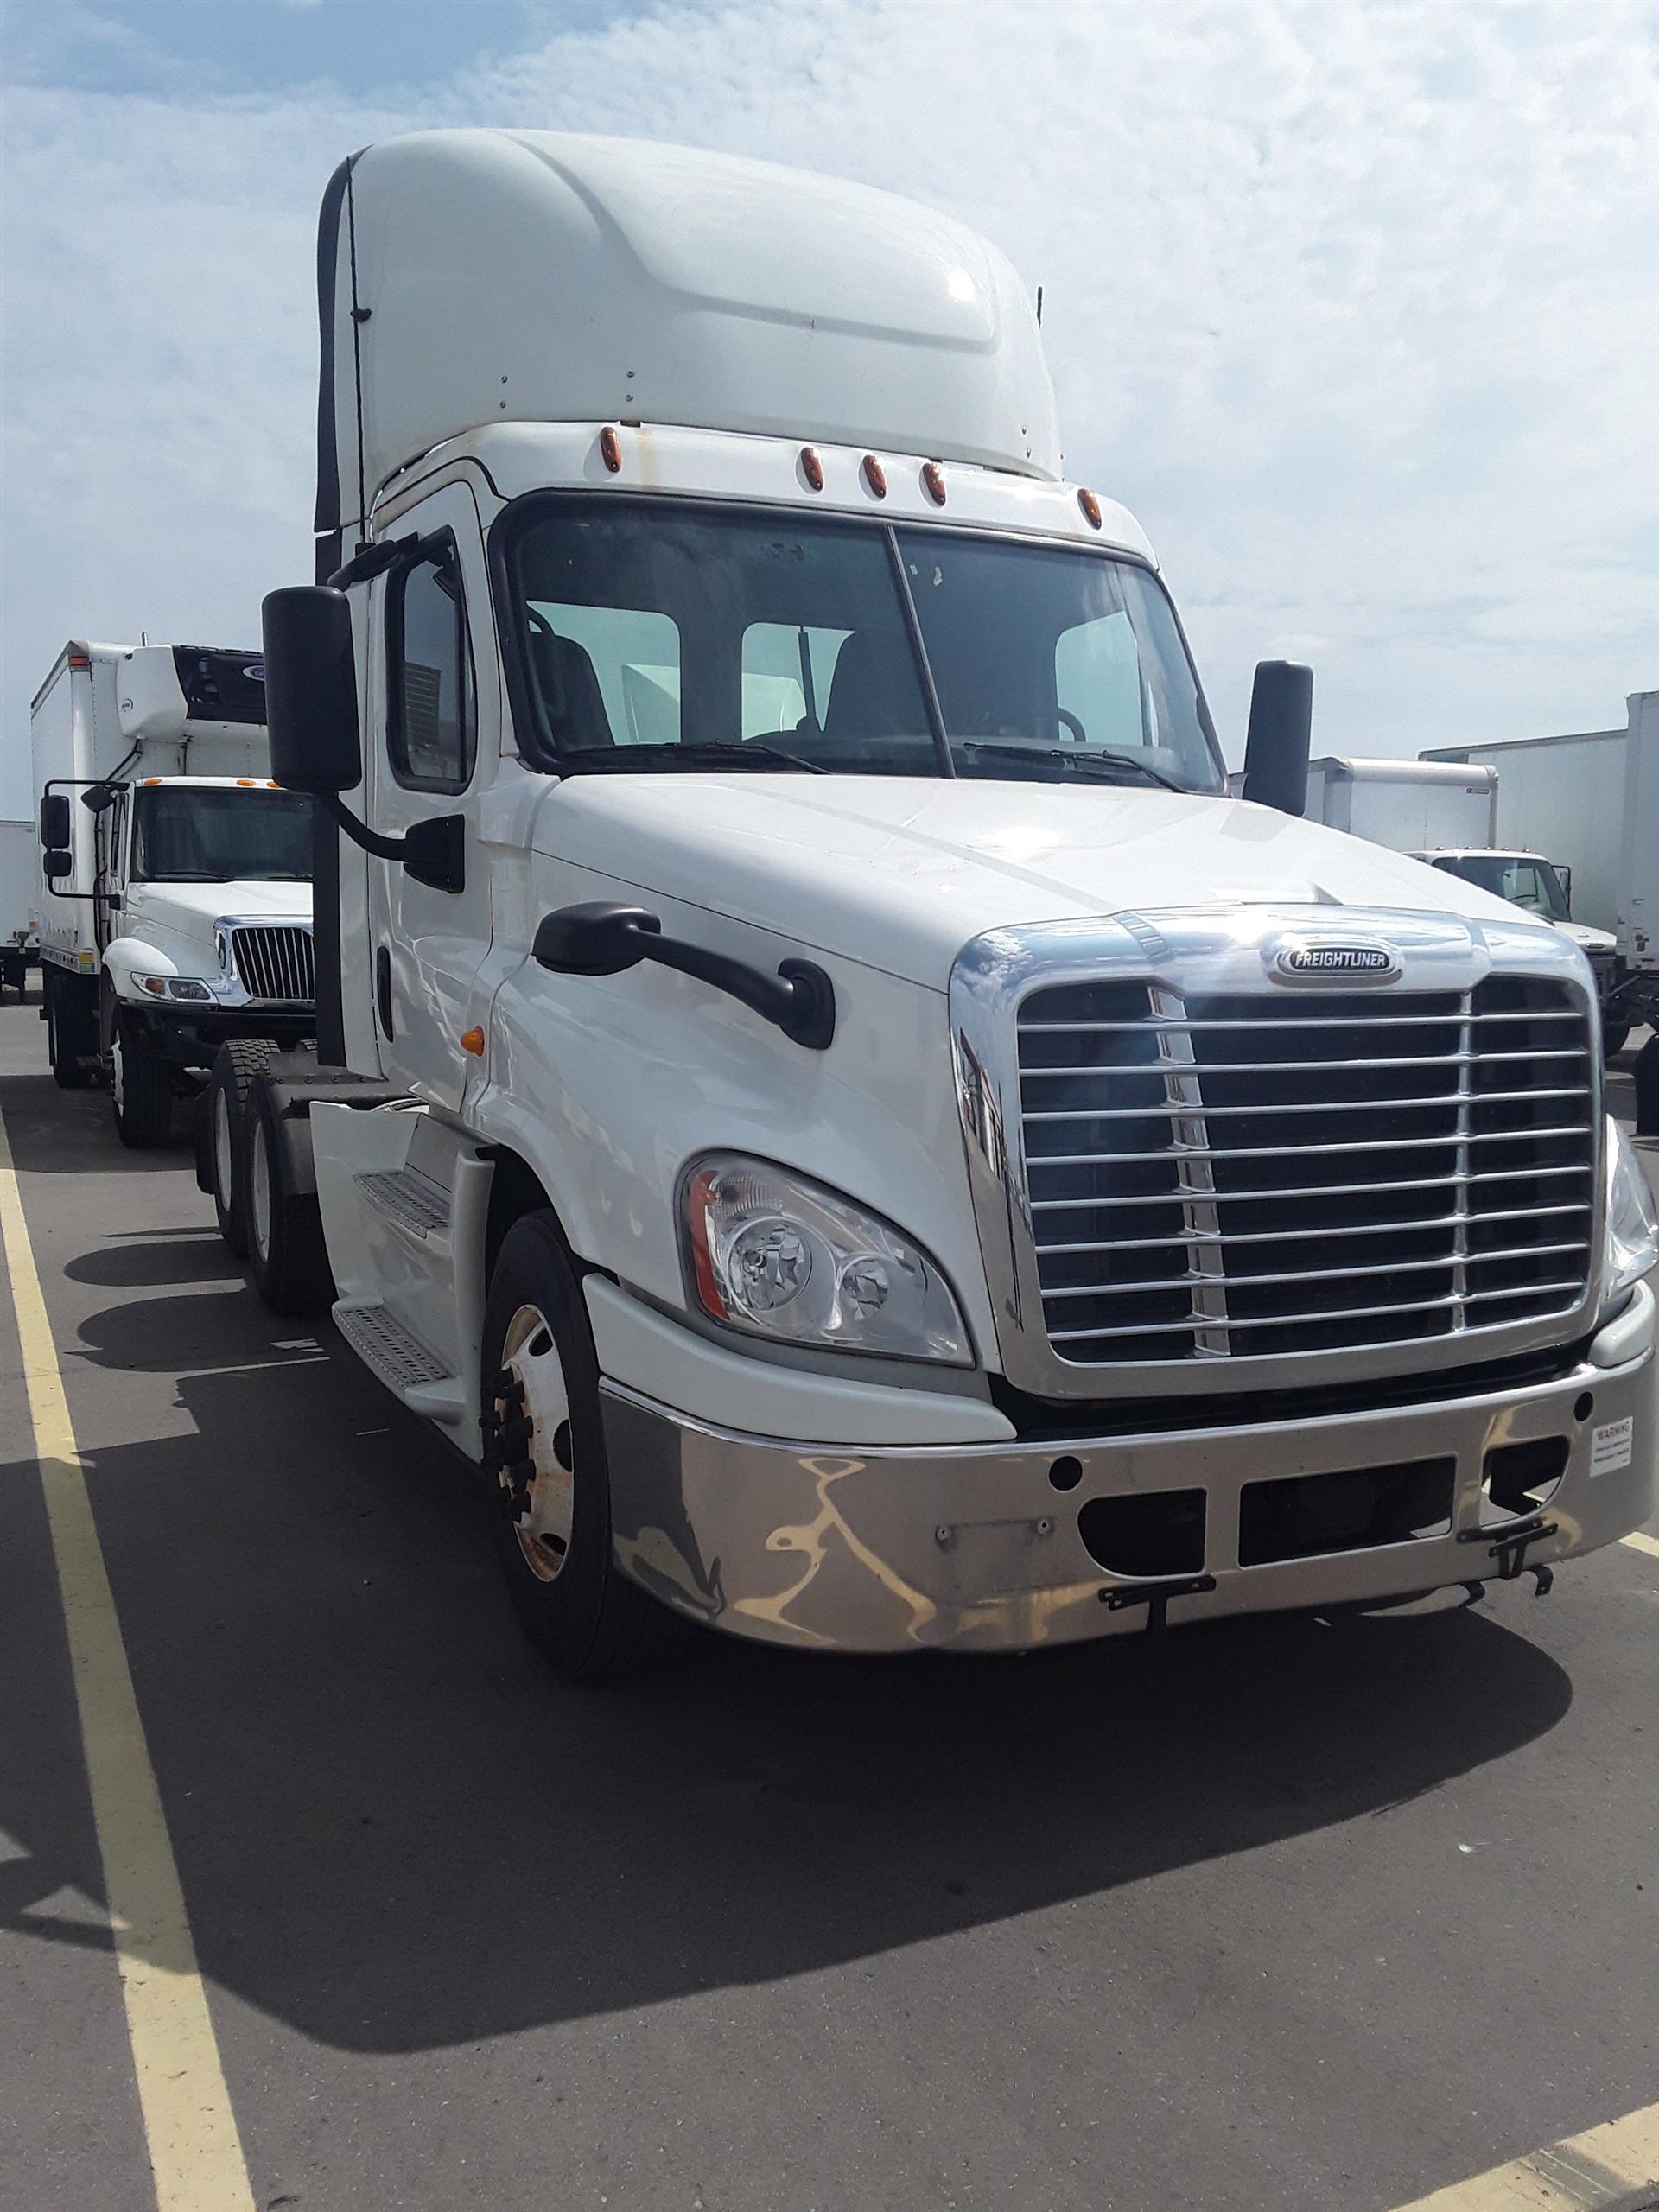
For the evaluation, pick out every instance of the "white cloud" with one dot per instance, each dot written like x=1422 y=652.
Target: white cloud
x=1357 y=307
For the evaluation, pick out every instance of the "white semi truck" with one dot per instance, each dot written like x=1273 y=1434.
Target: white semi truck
x=174 y=891
x=1590 y=800
x=820 y=1094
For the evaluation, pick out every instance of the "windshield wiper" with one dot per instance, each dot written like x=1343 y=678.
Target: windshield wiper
x=1097 y=758
x=708 y=753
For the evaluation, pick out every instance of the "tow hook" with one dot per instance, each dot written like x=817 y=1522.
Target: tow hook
x=1509 y=1550
x=1155 y=1597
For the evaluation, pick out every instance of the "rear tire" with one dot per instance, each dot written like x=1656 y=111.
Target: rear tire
x=68 y=1047
x=225 y=1107
x=1615 y=1036
x=141 y=1089
x=287 y=1255
x=545 y=1457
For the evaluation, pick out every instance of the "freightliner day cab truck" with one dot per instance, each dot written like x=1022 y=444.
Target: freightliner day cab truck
x=821 y=1095
x=175 y=893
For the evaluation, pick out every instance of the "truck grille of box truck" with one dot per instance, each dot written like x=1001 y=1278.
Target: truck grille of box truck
x=1234 y=1176
x=277 y=962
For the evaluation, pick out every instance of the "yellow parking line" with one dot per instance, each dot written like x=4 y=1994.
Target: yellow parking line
x=1641 y=1544
x=195 y=2153
x=1600 y=2169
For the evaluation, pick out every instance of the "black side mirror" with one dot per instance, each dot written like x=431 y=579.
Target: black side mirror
x=1280 y=737
x=99 y=799
x=54 y=825
x=57 y=863
x=311 y=690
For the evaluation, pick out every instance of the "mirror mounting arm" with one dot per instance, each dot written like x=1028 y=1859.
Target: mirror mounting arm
x=433 y=851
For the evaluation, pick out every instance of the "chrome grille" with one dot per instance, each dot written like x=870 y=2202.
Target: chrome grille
x=276 y=962
x=1246 y=1174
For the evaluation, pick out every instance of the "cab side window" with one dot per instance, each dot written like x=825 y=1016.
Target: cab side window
x=432 y=713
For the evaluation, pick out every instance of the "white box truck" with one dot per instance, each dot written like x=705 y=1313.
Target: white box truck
x=19 y=884
x=1589 y=799
x=820 y=1094
x=174 y=877
x=1409 y=805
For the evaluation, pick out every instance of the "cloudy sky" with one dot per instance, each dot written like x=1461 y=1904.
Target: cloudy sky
x=1357 y=308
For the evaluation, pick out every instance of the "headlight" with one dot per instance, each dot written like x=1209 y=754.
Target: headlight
x=772 y=1254
x=175 y=987
x=1632 y=1240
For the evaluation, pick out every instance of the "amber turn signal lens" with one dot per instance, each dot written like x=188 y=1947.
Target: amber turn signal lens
x=472 y=1040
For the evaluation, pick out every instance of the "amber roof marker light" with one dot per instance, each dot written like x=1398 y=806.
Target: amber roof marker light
x=610 y=449
x=812 y=469
x=1090 y=507
x=933 y=481
x=876 y=476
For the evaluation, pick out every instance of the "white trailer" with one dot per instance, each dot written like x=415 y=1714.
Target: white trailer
x=20 y=875
x=173 y=877
x=820 y=1094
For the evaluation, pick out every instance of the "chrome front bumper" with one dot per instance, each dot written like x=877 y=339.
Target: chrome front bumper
x=891 y=1550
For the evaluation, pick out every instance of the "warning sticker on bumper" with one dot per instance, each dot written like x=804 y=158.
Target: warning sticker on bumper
x=1611 y=1445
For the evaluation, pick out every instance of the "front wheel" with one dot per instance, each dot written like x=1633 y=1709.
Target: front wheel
x=1615 y=1036
x=141 y=1088
x=545 y=1454
x=287 y=1256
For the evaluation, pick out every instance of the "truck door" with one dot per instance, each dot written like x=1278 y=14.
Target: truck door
x=437 y=740
x=110 y=867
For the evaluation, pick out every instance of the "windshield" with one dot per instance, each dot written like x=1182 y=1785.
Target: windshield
x=1532 y=884
x=654 y=636
x=212 y=835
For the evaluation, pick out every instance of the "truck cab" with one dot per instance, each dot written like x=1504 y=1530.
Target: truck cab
x=1538 y=886
x=821 y=1096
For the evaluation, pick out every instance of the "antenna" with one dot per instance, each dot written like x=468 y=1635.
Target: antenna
x=1039 y=306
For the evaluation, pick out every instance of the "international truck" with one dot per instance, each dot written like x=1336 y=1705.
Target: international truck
x=20 y=878
x=819 y=1094
x=1589 y=799
x=174 y=883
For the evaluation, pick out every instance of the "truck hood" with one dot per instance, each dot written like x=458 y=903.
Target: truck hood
x=1586 y=938
x=899 y=873
x=194 y=908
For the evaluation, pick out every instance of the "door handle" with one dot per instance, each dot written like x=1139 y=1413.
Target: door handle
x=382 y=992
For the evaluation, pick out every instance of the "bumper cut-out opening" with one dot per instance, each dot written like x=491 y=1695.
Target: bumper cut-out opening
x=1307 y=1517
x=1518 y=1478
x=1152 y=1532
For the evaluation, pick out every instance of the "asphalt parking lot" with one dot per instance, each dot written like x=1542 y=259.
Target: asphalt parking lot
x=1293 y=1914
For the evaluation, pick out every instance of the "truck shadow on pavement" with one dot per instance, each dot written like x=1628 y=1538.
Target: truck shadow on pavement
x=396 y=1831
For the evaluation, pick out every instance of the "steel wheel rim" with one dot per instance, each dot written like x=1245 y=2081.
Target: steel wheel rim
x=529 y=1359
x=222 y=1167
x=259 y=1192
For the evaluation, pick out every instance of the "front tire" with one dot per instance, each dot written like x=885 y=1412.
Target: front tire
x=68 y=1047
x=545 y=1454
x=141 y=1088
x=1615 y=1036
x=287 y=1255
x=239 y=1064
